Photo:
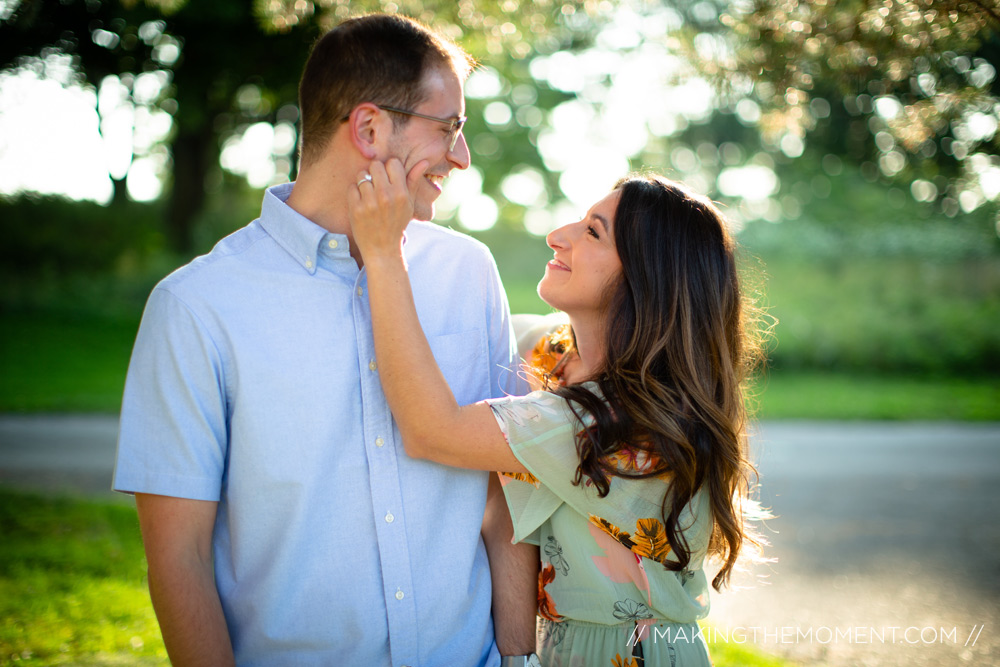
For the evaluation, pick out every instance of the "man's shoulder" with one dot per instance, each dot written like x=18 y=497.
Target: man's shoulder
x=432 y=237
x=217 y=264
x=438 y=236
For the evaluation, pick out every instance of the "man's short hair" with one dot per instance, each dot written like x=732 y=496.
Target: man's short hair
x=378 y=58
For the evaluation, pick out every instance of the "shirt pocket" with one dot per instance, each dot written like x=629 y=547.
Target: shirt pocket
x=464 y=362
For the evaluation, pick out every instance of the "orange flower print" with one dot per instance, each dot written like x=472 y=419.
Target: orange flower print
x=636 y=460
x=619 y=661
x=545 y=361
x=546 y=605
x=526 y=477
x=614 y=531
x=651 y=540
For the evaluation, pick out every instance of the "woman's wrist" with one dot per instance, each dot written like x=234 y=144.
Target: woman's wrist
x=384 y=260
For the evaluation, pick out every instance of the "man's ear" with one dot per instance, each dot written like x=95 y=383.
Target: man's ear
x=366 y=124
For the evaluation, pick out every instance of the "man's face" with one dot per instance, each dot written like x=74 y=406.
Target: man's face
x=423 y=139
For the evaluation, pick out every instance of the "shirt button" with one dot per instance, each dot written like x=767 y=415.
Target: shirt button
x=399 y=594
x=333 y=243
x=379 y=442
x=389 y=518
x=359 y=290
x=309 y=263
x=372 y=365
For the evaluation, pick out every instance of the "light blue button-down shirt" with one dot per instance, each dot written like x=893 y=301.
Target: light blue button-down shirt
x=254 y=382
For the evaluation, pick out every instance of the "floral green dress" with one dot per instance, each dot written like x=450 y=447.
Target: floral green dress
x=602 y=584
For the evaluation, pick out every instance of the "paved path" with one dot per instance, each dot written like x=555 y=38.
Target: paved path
x=884 y=531
x=69 y=454
x=878 y=526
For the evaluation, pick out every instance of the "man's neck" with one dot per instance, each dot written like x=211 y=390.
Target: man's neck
x=320 y=195
x=324 y=203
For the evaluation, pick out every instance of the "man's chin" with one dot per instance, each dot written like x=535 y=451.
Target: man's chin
x=423 y=211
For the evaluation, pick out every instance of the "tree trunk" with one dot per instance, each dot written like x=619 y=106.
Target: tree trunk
x=120 y=193
x=191 y=155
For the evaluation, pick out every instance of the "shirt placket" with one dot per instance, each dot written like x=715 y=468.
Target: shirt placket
x=386 y=494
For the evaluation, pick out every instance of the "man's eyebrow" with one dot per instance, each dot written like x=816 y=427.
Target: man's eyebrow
x=604 y=221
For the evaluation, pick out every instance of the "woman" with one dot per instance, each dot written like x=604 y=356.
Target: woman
x=629 y=467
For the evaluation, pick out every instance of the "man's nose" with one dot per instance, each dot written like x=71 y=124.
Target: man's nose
x=459 y=155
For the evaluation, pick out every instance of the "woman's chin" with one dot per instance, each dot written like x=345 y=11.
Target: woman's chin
x=543 y=294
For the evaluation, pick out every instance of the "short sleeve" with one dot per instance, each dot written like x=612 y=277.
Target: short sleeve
x=541 y=429
x=530 y=502
x=172 y=435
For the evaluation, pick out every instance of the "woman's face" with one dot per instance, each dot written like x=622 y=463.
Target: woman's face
x=585 y=263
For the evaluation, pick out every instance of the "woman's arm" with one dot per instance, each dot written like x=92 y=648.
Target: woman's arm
x=433 y=425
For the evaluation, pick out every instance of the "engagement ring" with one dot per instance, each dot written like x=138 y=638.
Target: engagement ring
x=367 y=179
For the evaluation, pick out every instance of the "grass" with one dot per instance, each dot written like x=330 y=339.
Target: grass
x=73 y=588
x=73 y=585
x=52 y=362
x=742 y=656
x=813 y=395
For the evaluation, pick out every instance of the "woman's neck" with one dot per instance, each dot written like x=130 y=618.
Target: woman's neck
x=589 y=335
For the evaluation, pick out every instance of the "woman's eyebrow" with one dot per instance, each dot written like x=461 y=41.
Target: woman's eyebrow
x=604 y=221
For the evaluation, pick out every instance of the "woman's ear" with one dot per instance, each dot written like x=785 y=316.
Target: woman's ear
x=365 y=124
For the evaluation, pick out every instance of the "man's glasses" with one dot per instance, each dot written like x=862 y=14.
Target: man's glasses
x=454 y=124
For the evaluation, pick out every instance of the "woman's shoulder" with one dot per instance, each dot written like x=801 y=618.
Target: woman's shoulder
x=530 y=329
x=545 y=344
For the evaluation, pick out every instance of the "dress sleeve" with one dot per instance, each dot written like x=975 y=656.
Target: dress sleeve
x=530 y=502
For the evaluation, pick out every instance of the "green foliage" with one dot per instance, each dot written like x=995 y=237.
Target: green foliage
x=231 y=63
x=848 y=396
x=488 y=30
x=521 y=260
x=64 y=362
x=886 y=314
x=46 y=236
x=72 y=585
x=865 y=279
x=833 y=207
x=903 y=83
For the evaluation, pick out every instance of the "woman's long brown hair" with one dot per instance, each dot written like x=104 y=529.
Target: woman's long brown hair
x=679 y=344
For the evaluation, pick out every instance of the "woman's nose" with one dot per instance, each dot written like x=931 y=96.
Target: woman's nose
x=560 y=236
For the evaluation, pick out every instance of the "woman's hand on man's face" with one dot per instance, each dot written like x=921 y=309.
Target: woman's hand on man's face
x=380 y=206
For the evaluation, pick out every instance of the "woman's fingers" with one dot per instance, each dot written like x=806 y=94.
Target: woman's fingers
x=380 y=206
x=415 y=177
x=380 y=179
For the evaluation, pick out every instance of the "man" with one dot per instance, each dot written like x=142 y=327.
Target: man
x=282 y=520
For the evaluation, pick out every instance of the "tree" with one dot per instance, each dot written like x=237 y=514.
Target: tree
x=915 y=82
x=212 y=54
x=206 y=51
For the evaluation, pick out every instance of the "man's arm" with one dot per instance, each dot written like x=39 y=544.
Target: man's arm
x=514 y=570
x=177 y=535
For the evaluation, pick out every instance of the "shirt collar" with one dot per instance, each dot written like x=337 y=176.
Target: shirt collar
x=296 y=234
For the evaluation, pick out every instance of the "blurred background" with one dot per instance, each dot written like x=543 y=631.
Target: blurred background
x=853 y=146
